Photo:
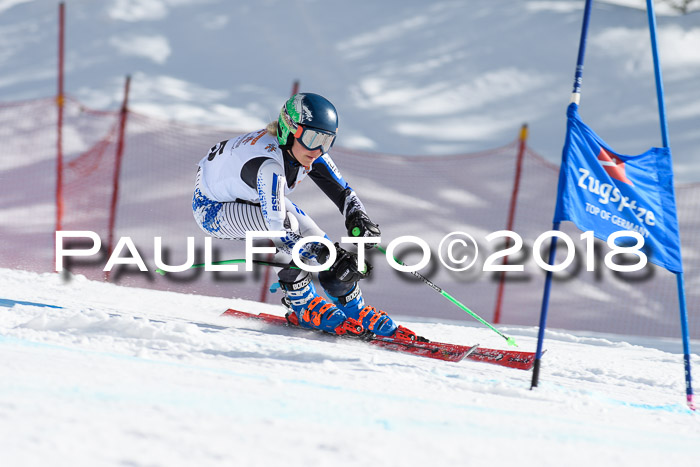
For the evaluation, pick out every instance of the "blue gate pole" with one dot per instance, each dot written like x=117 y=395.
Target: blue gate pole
x=576 y=98
x=544 y=311
x=578 y=76
x=664 y=139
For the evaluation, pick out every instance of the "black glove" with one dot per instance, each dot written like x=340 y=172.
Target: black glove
x=359 y=225
x=345 y=267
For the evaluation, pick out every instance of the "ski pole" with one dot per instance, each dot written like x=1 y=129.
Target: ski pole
x=453 y=300
x=427 y=281
x=236 y=261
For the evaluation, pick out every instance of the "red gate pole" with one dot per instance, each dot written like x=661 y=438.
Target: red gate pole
x=266 y=277
x=59 y=125
x=511 y=219
x=117 y=168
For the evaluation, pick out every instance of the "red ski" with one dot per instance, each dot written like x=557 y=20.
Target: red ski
x=437 y=350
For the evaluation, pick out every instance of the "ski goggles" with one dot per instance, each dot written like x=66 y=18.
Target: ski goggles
x=314 y=139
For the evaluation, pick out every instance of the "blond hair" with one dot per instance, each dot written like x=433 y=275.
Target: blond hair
x=272 y=127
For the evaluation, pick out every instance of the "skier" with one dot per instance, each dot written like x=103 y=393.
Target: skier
x=242 y=185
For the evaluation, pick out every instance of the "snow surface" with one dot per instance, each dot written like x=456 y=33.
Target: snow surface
x=127 y=376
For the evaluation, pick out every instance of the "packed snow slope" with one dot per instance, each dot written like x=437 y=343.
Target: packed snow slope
x=97 y=374
x=407 y=76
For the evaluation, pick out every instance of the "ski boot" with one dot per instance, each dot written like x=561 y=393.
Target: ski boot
x=373 y=320
x=353 y=305
x=309 y=310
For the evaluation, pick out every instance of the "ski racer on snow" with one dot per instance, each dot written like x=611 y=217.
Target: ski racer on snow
x=242 y=185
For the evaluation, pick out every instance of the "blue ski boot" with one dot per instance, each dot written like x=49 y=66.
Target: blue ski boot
x=373 y=320
x=309 y=310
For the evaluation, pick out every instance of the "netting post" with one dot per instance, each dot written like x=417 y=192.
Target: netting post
x=511 y=218
x=266 y=274
x=59 y=124
x=117 y=168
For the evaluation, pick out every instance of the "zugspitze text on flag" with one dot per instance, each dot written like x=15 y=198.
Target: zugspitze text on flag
x=605 y=192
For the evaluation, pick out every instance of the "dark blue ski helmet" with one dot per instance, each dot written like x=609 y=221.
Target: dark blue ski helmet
x=307 y=110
